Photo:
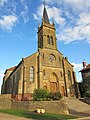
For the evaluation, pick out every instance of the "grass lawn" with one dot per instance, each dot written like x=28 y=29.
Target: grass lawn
x=33 y=115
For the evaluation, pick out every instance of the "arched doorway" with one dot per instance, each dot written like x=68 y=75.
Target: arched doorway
x=53 y=87
x=53 y=83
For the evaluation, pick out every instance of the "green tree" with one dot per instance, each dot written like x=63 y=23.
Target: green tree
x=85 y=87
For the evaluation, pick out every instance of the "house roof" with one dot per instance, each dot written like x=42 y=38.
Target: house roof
x=15 y=67
x=84 y=69
x=10 y=69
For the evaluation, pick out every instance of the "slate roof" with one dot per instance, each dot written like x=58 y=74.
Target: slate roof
x=10 y=69
x=87 y=67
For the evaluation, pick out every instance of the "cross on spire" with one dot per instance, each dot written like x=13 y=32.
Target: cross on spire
x=45 y=15
x=44 y=3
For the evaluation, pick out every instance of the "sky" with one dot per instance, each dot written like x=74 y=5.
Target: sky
x=18 y=30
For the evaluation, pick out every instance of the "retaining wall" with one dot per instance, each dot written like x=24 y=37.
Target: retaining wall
x=58 y=106
x=5 y=101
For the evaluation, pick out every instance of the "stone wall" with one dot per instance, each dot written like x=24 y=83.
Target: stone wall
x=5 y=101
x=59 y=107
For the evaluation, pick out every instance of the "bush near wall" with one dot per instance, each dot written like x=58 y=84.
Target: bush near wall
x=44 y=95
x=55 y=96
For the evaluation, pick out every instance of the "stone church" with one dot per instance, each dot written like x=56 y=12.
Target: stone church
x=47 y=68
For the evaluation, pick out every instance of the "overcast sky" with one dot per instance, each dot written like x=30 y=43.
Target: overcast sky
x=18 y=30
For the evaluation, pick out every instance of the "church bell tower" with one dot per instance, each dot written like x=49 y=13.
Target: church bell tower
x=46 y=33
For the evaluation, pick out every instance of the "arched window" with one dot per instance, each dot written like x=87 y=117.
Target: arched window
x=41 y=42
x=61 y=74
x=69 y=77
x=52 y=40
x=31 y=74
x=44 y=72
x=48 y=39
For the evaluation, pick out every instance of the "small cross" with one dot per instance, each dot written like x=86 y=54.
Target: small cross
x=44 y=3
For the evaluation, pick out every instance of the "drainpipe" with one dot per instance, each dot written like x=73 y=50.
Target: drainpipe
x=23 y=80
x=64 y=77
x=39 y=70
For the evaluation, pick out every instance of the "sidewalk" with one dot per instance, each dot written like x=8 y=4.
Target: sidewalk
x=85 y=118
x=80 y=114
x=4 y=116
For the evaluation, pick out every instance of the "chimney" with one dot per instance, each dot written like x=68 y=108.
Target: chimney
x=84 y=64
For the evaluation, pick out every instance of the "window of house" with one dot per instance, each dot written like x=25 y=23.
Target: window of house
x=31 y=74
x=52 y=58
x=69 y=76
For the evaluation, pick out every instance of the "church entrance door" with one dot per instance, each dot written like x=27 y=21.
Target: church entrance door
x=53 y=87
x=53 y=83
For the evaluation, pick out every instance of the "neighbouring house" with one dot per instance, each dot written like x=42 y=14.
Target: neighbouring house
x=84 y=85
x=85 y=72
x=47 y=68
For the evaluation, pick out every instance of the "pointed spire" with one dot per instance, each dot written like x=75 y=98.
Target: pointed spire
x=45 y=15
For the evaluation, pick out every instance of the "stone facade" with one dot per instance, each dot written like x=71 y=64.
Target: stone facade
x=47 y=68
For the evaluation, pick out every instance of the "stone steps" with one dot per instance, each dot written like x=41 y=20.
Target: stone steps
x=77 y=105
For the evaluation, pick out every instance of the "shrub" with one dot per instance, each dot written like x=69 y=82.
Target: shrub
x=40 y=95
x=55 y=96
x=44 y=95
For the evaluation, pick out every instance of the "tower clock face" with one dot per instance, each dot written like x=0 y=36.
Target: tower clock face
x=51 y=58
